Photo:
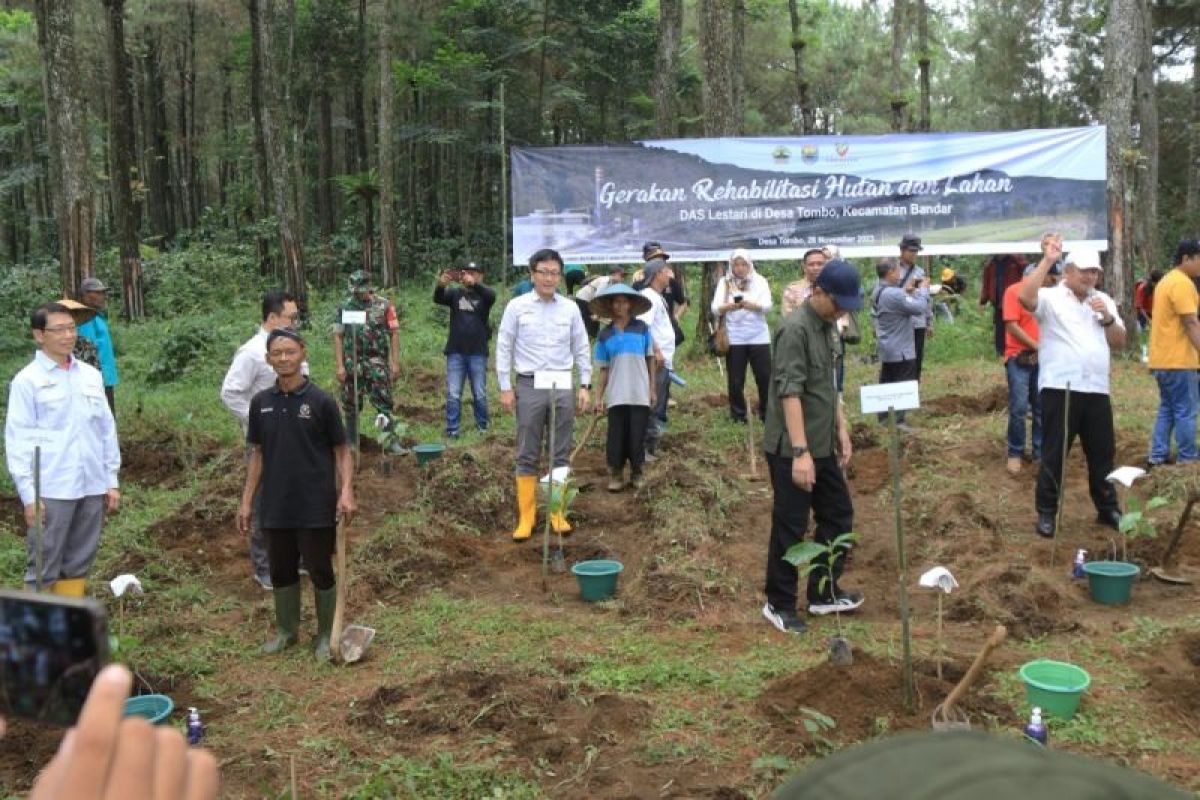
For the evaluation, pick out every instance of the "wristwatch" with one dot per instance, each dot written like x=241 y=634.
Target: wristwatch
x=799 y=451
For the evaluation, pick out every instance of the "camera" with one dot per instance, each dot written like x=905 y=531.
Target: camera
x=737 y=298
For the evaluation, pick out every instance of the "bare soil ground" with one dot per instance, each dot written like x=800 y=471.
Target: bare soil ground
x=693 y=543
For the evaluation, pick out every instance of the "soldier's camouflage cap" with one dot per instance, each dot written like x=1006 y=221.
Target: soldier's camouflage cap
x=359 y=280
x=967 y=765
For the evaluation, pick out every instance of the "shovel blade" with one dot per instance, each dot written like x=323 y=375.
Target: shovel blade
x=1164 y=576
x=355 y=641
x=558 y=562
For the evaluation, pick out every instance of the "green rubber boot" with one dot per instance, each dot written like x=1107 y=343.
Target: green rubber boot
x=287 y=618
x=326 y=602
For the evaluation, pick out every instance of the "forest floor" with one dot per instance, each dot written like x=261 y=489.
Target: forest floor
x=486 y=680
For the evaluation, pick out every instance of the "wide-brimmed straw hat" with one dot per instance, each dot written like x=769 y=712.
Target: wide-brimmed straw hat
x=79 y=312
x=601 y=306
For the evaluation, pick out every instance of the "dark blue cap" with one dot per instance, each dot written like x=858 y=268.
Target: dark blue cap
x=839 y=279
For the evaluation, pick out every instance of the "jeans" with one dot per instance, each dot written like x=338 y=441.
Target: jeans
x=458 y=367
x=1178 y=394
x=1023 y=397
x=657 y=424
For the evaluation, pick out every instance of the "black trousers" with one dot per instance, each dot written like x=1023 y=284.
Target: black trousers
x=110 y=394
x=829 y=502
x=1092 y=421
x=285 y=546
x=919 y=341
x=998 y=328
x=897 y=372
x=758 y=356
x=627 y=436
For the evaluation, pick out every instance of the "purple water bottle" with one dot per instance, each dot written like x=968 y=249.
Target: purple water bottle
x=195 y=728
x=1077 y=568
x=1036 y=729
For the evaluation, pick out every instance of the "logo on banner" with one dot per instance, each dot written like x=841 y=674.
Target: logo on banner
x=842 y=148
x=781 y=154
x=809 y=153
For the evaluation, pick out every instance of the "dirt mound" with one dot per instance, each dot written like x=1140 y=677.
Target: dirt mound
x=987 y=402
x=869 y=471
x=1173 y=676
x=864 y=700
x=1019 y=596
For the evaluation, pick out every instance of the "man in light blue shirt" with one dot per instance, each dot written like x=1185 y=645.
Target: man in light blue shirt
x=57 y=404
x=94 y=293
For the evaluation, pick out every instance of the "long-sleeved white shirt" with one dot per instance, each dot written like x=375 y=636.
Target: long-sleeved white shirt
x=661 y=330
x=65 y=412
x=743 y=325
x=537 y=334
x=248 y=375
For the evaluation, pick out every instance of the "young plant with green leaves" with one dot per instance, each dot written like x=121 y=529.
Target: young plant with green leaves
x=808 y=557
x=562 y=495
x=1137 y=524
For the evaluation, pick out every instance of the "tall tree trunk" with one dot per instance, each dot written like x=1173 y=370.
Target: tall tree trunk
x=923 y=62
x=262 y=199
x=1193 y=183
x=325 y=145
x=802 y=119
x=899 y=99
x=122 y=158
x=74 y=201
x=195 y=196
x=541 y=90
x=716 y=49
x=738 y=65
x=282 y=192
x=158 y=163
x=1120 y=62
x=360 y=105
x=385 y=145
x=1146 y=220
x=183 y=147
x=666 y=67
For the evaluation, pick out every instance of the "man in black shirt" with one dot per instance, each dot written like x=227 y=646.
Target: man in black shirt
x=299 y=455
x=467 y=345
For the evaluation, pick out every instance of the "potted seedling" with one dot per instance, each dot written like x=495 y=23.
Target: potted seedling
x=561 y=493
x=1111 y=582
x=808 y=557
x=390 y=442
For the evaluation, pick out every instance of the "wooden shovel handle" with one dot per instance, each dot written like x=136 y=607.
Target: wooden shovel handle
x=1169 y=553
x=586 y=436
x=991 y=644
x=335 y=636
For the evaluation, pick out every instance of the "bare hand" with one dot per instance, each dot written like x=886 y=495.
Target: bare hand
x=583 y=399
x=346 y=507
x=653 y=398
x=32 y=518
x=244 y=517
x=804 y=472
x=112 y=501
x=444 y=278
x=659 y=360
x=598 y=406
x=341 y=374
x=1097 y=304
x=394 y=371
x=508 y=399
x=109 y=755
x=845 y=448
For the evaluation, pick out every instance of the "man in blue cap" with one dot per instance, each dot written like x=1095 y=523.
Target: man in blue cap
x=807 y=444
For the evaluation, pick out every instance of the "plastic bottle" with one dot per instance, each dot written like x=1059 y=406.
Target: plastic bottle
x=195 y=728
x=1036 y=729
x=1077 y=568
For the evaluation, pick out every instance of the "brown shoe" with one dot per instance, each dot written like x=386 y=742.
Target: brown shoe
x=1013 y=465
x=616 y=480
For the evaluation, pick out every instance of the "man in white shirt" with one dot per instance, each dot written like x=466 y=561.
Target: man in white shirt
x=541 y=330
x=1078 y=326
x=657 y=276
x=57 y=403
x=248 y=375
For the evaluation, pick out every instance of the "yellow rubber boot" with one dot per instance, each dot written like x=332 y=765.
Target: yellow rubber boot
x=526 y=507
x=70 y=587
x=559 y=524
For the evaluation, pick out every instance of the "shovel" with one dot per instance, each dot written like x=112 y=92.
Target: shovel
x=350 y=644
x=752 y=450
x=587 y=435
x=947 y=717
x=1160 y=572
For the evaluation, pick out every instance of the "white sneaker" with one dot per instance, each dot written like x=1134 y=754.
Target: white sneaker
x=845 y=602
x=784 y=621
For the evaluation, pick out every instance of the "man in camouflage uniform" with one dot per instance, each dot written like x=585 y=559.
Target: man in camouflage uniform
x=376 y=346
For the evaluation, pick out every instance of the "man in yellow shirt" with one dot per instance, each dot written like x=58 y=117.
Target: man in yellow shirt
x=1175 y=357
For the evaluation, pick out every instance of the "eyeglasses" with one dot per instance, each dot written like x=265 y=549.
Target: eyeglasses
x=548 y=273
x=60 y=329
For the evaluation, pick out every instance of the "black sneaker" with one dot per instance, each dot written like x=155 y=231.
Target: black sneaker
x=785 y=621
x=846 y=601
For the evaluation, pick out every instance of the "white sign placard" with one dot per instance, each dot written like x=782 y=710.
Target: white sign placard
x=880 y=397
x=354 y=317
x=552 y=379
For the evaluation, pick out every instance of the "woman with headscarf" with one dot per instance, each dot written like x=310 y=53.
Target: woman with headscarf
x=744 y=298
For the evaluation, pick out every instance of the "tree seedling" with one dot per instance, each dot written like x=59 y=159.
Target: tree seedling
x=808 y=557
x=1136 y=524
x=562 y=494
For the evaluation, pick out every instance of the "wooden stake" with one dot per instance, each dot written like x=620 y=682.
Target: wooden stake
x=549 y=494
x=295 y=793
x=339 y=608
x=1062 y=474
x=905 y=631
x=941 y=642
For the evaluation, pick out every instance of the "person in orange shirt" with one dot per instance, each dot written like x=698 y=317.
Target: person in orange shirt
x=1021 y=369
x=1175 y=357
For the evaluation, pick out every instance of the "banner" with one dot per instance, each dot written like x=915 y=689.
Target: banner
x=778 y=197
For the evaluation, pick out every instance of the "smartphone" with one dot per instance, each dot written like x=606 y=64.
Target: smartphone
x=51 y=648
x=737 y=298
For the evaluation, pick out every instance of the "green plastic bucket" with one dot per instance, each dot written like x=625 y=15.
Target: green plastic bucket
x=1111 y=582
x=154 y=707
x=428 y=452
x=597 y=578
x=1054 y=686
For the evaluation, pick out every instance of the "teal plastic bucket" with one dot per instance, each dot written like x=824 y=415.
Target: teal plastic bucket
x=428 y=452
x=1111 y=582
x=1054 y=686
x=597 y=578
x=154 y=707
